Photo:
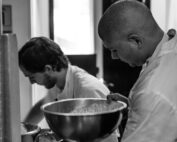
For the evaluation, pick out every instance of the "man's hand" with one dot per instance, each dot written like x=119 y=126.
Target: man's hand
x=117 y=97
x=171 y=33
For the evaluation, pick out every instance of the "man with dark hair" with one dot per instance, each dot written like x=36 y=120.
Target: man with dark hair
x=43 y=62
x=130 y=32
x=39 y=55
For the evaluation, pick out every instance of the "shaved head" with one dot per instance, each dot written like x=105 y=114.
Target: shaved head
x=127 y=16
x=132 y=21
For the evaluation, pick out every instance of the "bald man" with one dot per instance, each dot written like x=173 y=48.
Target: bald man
x=130 y=32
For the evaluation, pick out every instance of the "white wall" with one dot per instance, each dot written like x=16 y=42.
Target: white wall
x=164 y=12
x=39 y=18
x=158 y=8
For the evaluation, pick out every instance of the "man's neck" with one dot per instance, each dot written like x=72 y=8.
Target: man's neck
x=61 y=79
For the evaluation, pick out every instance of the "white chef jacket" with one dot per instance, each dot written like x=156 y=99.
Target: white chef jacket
x=80 y=84
x=153 y=98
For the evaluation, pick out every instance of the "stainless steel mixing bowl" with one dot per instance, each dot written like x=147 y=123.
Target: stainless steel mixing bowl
x=86 y=126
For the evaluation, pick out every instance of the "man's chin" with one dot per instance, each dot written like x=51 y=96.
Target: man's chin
x=49 y=87
x=132 y=65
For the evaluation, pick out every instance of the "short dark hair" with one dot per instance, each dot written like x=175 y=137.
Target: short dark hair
x=41 y=51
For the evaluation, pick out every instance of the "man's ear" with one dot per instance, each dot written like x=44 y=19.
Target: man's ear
x=48 y=68
x=171 y=33
x=136 y=40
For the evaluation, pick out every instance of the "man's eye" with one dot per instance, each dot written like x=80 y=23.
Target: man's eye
x=114 y=51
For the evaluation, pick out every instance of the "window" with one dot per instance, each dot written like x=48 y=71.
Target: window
x=73 y=26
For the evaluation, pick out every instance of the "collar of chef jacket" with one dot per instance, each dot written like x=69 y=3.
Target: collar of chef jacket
x=157 y=50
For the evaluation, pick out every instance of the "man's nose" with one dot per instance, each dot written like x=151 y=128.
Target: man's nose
x=114 y=55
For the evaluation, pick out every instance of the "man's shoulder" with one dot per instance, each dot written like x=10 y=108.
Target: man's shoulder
x=80 y=73
x=83 y=79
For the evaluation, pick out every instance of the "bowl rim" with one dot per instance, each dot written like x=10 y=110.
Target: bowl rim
x=35 y=131
x=124 y=105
